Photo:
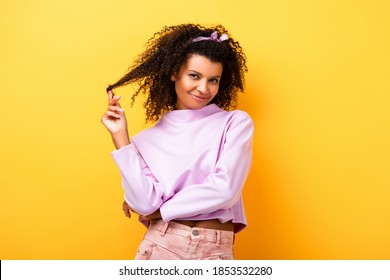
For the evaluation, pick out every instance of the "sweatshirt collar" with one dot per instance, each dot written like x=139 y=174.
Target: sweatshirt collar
x=189 y=115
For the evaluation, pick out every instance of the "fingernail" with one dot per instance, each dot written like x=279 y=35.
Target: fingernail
x=120 y=109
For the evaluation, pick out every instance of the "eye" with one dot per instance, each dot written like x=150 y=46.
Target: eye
x=214 y=81
x=193 y=76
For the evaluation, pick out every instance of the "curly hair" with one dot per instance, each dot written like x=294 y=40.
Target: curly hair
x=167 y=51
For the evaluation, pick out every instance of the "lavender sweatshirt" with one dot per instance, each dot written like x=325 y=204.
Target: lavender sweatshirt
x=192 y=165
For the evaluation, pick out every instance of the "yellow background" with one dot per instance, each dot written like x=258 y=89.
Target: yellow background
x=318 y=90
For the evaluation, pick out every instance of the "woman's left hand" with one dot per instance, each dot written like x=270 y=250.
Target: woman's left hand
x=126 y=209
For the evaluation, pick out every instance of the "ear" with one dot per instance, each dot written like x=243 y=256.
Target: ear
x=173 y=77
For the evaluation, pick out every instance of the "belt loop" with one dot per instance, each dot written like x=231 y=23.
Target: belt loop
x=164 y=228
x=218 y=238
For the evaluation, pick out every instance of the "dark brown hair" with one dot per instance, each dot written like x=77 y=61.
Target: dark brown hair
x=168 y=50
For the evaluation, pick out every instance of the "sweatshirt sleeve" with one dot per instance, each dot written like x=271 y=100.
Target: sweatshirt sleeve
x=143 y=192
x=222 y=188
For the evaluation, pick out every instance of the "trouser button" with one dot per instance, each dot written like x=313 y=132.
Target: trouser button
x=195 y=232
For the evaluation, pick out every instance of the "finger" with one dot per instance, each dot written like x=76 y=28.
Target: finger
x=126 y=209
x=115 y=109
x=112 y=114
x=125 y=206
x=115 y=100
x=110 y=95
x=127 y=214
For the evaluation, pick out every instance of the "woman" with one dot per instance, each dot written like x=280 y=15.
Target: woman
x=184 y=176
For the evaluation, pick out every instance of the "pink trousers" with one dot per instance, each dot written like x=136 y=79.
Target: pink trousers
x=174 y=241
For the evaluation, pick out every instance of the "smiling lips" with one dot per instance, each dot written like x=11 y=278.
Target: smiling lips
x=198 y=98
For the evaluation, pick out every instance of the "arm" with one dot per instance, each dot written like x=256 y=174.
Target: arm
x=222 y=188
x=126 y=209
x=142 y=191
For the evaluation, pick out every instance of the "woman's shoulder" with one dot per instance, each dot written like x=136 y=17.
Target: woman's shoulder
x=240 y=115
x=239 y=121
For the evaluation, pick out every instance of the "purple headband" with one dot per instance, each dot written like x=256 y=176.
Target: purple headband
x=213 y=37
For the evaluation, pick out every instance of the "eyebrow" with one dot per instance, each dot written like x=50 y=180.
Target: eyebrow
x=200 y=74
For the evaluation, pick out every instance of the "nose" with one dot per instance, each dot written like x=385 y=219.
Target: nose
x=203 y=87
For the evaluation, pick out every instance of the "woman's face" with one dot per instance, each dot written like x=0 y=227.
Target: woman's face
x=197 y=82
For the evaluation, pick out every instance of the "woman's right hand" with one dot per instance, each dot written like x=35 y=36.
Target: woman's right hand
x=114 y=120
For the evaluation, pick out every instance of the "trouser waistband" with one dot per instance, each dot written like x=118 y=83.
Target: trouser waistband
x=210 y=235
